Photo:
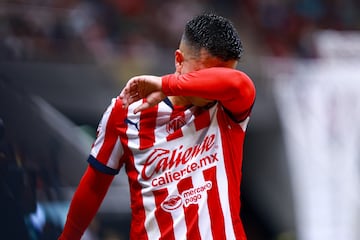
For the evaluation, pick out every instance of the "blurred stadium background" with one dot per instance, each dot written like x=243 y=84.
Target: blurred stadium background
x=61 y=62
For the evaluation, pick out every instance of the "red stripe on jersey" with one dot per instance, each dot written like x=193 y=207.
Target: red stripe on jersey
x=138 y=230
x=174 y=135
x=163 y=218
x=114 y=121
x=216 y=214
x=147 y=125
x=232 y=135
x=202 y=119
x=191 y=212
x=110 y=137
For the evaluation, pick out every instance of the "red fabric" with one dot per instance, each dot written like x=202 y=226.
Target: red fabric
x=232 y=136
x=85 y=203
x=235 y=92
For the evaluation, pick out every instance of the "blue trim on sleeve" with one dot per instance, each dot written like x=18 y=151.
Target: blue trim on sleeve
x=168 y=102
x=101 y=167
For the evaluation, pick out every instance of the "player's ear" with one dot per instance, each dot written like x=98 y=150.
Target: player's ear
x=179 y=59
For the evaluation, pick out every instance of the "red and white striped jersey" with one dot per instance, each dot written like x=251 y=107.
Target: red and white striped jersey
x=183 y=165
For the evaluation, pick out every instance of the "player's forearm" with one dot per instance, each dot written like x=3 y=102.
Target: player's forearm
x=85 y=203
x=212 y=83
x=81 y=212
x=232 y=88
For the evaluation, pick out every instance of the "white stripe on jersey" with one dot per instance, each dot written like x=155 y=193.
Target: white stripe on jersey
x=163 y=117
x=224 y=198
x=101 y=129
x=116 y=153
x=203 y=212
x=152 y=227
x=132 y=131
x=178 y=221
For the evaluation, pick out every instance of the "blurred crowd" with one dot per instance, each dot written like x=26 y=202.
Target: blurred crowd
x=90 y=30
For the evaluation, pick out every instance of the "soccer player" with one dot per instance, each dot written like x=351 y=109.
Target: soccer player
x=180 y=138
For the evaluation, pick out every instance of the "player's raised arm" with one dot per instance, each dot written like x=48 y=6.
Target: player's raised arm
x=232 y=88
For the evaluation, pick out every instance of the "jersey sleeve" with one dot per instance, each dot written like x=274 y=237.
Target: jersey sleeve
x=232 y=88
x=85 y=203
x=107 y=151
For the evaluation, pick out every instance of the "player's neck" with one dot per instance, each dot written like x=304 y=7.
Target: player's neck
x=179 y=101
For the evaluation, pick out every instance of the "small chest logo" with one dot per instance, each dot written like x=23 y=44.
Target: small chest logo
x=135 y=124
x=175 y=124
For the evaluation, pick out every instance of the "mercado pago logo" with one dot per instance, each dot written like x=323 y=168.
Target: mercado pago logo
x=191 y=196
x=164 y=166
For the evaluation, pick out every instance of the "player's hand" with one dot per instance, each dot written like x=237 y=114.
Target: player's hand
x=139 y=87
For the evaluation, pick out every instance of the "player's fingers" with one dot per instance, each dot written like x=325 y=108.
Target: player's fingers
x=142 y=107
x=129 y=87
x=128 y=99
x=129 y=93
x=124 y=96
x=123 y=93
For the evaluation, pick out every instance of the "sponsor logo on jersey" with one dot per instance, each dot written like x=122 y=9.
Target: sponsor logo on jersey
x=196 y=194
x=171 y=203
x=163 y=166
x=190 y=196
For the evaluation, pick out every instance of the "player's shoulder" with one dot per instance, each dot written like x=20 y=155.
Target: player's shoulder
x=117 y=102
x=118 y=108
x=115 y=107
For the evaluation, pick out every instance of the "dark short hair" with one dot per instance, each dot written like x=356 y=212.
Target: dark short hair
x=215 y=34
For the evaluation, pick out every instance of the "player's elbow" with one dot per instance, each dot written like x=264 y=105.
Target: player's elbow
x=243 y=87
